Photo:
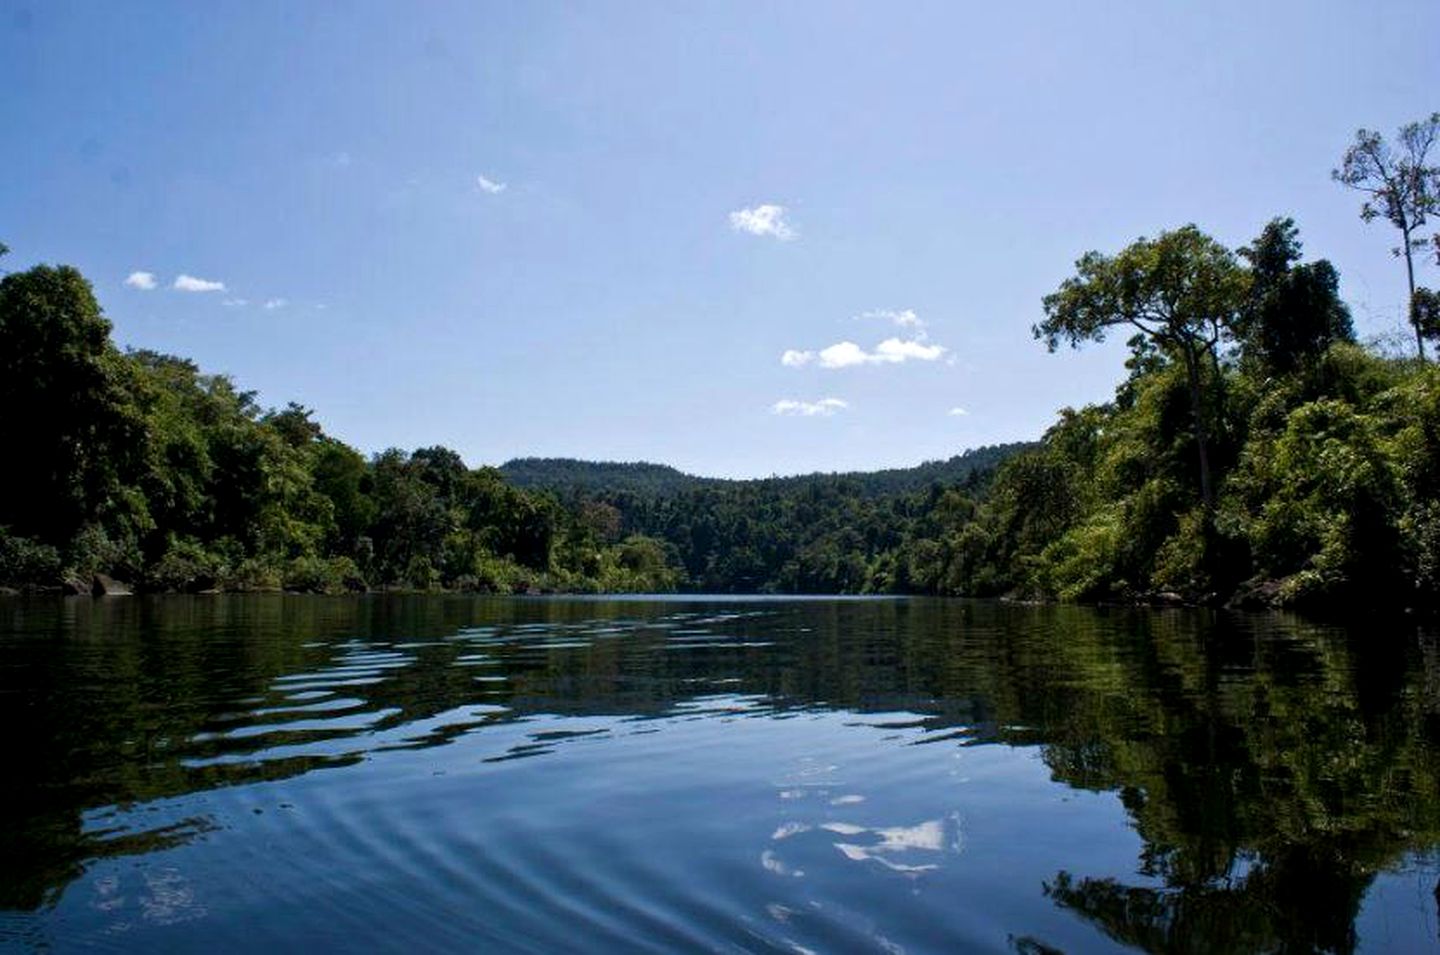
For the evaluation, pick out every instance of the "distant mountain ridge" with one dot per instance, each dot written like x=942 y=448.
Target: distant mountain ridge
x=644 y=477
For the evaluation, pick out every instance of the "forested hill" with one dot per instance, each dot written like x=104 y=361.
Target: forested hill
x=568 y=475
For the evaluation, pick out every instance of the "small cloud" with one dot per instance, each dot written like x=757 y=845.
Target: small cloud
x=145 y=281
x=957 y=412
x=189 y=283
x=341 y=159
x=823 y=408
x=235 y=302
x=843 y=355
x=273 y=303
x=905 y=318
x=485 y=184
x=765 y=219
x=847 y=354
x=896 y=350
x=321 y=306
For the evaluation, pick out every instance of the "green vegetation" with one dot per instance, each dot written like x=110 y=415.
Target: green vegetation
x=1255 y=453
x=570 y=476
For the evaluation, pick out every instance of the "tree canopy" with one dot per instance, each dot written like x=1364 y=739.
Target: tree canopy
x=1182 y=291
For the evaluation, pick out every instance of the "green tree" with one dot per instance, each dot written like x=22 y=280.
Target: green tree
x=412 y=521
x=1398 y=186
x=1181 y=290
x=295 y=425
x=1294 y=312
x=70 y=426
x=341 y=475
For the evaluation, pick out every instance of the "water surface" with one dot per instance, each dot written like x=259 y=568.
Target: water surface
x=447 y=773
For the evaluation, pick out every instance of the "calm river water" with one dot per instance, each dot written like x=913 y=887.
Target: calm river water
x=674 y=775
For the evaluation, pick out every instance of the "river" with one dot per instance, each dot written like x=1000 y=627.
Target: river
x=693 y=774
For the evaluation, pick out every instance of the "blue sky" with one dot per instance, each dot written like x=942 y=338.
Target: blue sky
x=596 y=229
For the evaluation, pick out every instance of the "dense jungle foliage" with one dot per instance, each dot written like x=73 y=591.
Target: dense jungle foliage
x=1255 y=453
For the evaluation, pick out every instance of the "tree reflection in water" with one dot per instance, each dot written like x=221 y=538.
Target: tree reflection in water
x=1268 y=794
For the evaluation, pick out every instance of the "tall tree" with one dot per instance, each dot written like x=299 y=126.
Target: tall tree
x=1401 y=187
x=1295 y=311
x=69 y=425
x=1182 y=290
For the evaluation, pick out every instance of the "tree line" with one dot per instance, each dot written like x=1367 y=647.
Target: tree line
x=571 y=476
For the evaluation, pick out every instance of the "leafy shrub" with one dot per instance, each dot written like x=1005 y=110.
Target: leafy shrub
x=93 y=551
x=1327 y=526
x=252 y=574
x=323 y=575
x=27 y=563
x=1081 y=564
x=185 y=566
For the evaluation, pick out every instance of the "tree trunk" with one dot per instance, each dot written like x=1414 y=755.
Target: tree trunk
x=1221 y=402
x=1410 y=302
x=1202 y=443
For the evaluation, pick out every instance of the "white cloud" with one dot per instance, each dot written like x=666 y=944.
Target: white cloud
x=823 y=408
x=897 y=350
x=273 y=303
x=235 y=302
x=957 y=412
x=905 y=318
x=486 y=184
x=189 y=283
x=144 y=281
x=843 y=355
x=768 y=219
x=847 y=354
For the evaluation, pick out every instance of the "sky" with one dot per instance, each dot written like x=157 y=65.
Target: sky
x=740 y=238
